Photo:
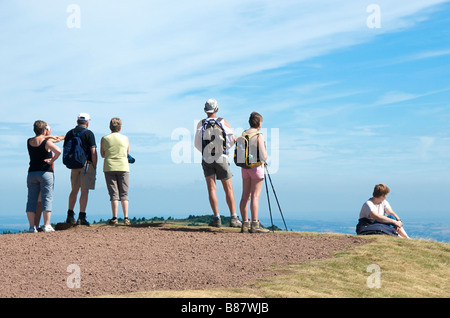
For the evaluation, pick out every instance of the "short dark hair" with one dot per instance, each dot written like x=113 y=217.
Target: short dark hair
x=39 y=127
x=255 y=120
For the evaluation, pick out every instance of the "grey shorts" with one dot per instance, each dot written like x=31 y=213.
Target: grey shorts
x=117 y=183
x=220 y=169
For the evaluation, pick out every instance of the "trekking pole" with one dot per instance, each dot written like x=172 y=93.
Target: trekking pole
x=268 y=201
x=270 y=179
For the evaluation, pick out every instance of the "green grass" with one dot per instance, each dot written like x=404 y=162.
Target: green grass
x=409 y=269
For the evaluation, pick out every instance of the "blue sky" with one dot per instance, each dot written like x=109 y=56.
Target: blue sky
x=345 y=106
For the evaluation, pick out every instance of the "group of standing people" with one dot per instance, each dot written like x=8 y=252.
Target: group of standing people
x=214 y=137
x=43 y=152
x=216 y=166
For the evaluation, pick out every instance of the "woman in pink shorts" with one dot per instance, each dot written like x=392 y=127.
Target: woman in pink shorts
x=253 y=178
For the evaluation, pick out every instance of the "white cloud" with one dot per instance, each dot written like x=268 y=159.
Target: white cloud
x=162 y=49
x=395 y=97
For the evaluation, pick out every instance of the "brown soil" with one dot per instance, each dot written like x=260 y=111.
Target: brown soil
x=118 y=259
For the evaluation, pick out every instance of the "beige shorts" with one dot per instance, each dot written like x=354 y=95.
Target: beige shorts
x=83 y=178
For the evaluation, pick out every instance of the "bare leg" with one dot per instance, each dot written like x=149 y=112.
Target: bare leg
x=114 y=208
x=255 y=194
x=47 y=215
x=73 y=198
x=212 y=189
x=246 y=193
x=37 y=216
x=83 y=199
x=31 y=216
x=402 y=233
x=125 y=208
x=228 y=188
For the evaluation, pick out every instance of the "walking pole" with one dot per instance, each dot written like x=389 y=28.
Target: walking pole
x=268 y=201
x=270 y=179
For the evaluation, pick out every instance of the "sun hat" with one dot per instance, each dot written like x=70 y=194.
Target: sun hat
x=211 y=106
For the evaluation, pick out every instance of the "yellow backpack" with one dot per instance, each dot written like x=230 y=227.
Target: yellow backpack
x=245 y=156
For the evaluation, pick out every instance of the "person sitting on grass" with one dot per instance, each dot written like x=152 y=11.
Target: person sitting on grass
x=376 y=207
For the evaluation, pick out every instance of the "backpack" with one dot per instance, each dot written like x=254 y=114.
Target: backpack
x=244 y=156
x=74 y=156
x=213 y=139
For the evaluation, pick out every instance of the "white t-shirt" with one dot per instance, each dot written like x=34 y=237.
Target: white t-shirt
x=369 y=206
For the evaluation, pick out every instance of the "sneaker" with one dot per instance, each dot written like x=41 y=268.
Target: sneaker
x=216 y=222
x=235 y=222
x=82 y=219
x=245 y=226
x=113 y=221
x=70 y=217
x=126 y=221
x=47 y=228
x=257 y=228
x=32 y=229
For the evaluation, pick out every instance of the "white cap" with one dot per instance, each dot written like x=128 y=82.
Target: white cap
x=211 y=106
x=84 y=116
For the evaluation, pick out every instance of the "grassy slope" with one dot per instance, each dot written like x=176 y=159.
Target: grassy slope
x=409 y=269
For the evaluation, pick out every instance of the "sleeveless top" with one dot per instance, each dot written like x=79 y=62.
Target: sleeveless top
x=115 y=146
x=37 y=156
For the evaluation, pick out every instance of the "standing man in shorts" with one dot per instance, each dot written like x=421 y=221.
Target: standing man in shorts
x=83 y=178
x=214 y=149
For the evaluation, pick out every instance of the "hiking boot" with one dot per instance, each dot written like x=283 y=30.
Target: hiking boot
x=245 y=226
x=70 y=217
x=257 y=228
x=113 y=221
x=235 y=222
x=216 y=222
x=126 y=221
x=82 y=219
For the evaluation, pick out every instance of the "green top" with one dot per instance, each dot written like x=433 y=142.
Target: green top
x=115 y=146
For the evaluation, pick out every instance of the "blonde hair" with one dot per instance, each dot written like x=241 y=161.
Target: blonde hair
x=115 y=125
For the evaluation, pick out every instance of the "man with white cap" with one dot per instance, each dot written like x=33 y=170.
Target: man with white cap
x=82 y=178
x=214 y=137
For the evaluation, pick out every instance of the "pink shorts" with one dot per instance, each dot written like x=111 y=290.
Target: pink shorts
x=253 y=173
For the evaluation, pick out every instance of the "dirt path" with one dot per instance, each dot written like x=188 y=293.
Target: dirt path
x=115 y=260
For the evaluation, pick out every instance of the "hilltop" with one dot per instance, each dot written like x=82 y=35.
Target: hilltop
x=167 y=260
